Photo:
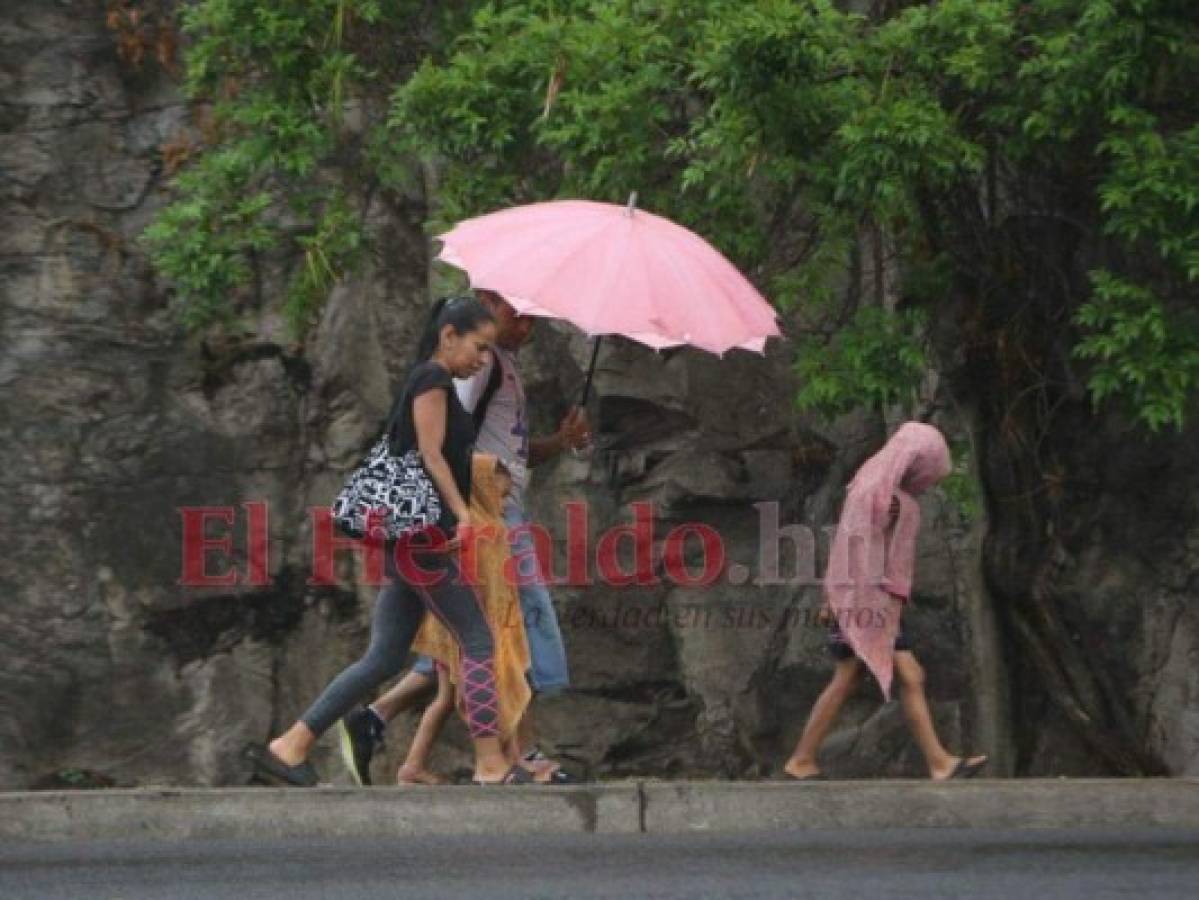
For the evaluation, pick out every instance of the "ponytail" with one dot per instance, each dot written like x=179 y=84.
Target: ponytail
x=464 y=313
x=432 y=332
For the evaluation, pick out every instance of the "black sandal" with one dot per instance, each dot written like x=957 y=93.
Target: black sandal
x=518 y=774
x=559 y=776
x=267 y=763
x=965 y=769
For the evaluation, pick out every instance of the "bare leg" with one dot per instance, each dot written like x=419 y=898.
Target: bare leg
x=415 y=768
x=910 y=675
x=491 y=763
x=409 y=691
x=526 y=731
x=820 y=720
x=512 y=749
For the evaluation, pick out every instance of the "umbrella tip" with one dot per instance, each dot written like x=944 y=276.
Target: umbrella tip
x=632 y=204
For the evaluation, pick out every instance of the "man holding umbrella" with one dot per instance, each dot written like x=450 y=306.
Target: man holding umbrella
x=608 y=270
x=495 y=397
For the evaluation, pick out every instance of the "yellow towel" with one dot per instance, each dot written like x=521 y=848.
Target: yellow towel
x=501 y=601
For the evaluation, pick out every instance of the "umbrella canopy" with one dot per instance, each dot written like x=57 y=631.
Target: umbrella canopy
x=610 y=269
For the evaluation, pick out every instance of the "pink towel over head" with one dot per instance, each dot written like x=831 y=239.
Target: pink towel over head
x=872 y=560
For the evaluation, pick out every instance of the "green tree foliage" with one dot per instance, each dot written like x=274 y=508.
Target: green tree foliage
x=1007 y=155
x=271 y=80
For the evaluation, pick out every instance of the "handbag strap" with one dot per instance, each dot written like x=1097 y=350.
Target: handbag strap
x=394 y=416
x=494 y=380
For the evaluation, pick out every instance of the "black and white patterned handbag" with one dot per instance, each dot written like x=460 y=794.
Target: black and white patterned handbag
x=395 y=489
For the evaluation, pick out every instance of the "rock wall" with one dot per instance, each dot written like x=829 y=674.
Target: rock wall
x=1120 y=560
x=112 y=420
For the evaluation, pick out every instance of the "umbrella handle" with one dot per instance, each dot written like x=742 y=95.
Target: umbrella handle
x=590 y=372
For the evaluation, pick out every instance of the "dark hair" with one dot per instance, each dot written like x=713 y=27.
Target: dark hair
x=464 y=313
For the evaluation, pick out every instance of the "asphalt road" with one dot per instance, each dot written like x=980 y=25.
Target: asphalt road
x=1026 y=865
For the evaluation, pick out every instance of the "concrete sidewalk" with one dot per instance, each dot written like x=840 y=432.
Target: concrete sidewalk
x=610 y=807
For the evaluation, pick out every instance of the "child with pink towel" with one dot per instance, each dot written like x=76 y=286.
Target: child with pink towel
x=868 y=581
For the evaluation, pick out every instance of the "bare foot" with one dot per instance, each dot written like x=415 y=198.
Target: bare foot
x=958 y=767
x=801 y=769
x=542 y=769
x=413 y=775
x=284 y=752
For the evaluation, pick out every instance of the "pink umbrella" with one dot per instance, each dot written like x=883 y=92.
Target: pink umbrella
x=610 y=269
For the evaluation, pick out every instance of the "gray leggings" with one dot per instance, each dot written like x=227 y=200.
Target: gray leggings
x=399 y=611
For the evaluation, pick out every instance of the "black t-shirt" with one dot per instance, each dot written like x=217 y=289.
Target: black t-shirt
x=459 y=431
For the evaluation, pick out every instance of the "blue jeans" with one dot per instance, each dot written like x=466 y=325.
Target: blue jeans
x=548 y=673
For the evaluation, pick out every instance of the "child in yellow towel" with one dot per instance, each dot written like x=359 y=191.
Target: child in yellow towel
x=501 y=607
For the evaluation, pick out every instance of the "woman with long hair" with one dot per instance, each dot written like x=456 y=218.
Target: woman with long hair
x=428 y=416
